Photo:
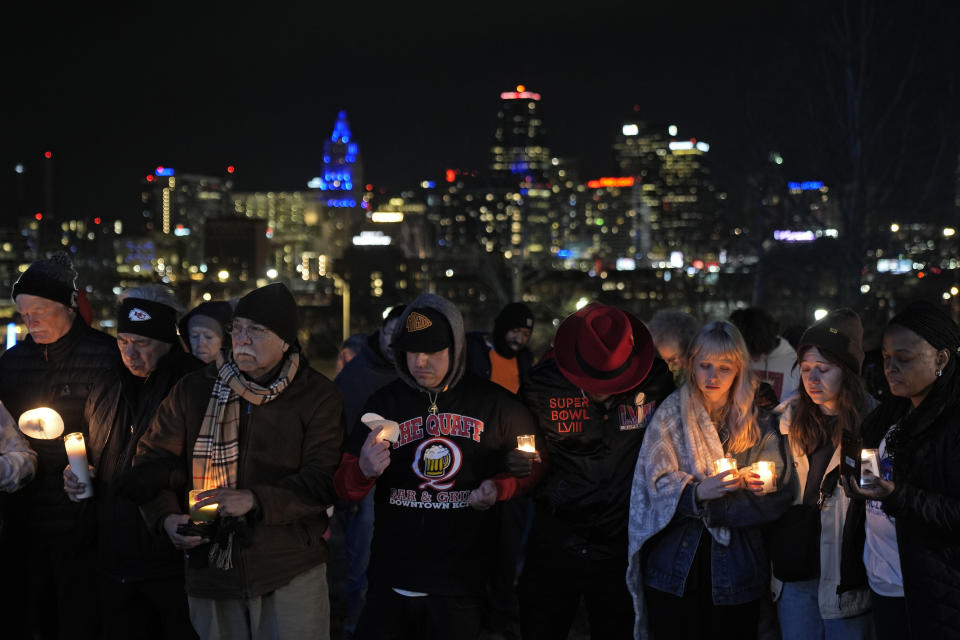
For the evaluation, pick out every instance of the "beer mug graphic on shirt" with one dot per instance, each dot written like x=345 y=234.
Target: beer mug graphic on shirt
x=436 y=459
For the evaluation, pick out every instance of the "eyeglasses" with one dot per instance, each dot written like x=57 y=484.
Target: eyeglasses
x=253 y=331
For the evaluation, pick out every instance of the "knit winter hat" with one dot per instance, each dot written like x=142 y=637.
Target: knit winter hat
x=931 y=323
x=515 y=315
x=53 y=278
x=840 y=335
x=147 y=318
x=272 y=306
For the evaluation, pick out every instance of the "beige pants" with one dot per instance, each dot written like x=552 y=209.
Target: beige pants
x=299 y=610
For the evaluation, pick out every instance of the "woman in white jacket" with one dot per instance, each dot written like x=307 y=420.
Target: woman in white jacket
x=823 y=593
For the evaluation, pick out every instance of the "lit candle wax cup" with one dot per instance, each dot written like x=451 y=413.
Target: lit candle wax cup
x=724 y=464
x=765 y=469
x=77 y=455
x=869 y=459
x=42 y=423
x=206 y=513
x=527 y=443
x=390 y=430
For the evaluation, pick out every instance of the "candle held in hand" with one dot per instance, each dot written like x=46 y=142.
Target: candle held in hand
x=765 y=469
x=206 y=513
x=527 y=443
x=724 y=464
x=77 y=455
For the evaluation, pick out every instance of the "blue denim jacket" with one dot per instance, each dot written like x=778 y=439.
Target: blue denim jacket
x=740 y=572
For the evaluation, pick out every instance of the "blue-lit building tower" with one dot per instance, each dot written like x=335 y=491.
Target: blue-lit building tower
x=341 y=182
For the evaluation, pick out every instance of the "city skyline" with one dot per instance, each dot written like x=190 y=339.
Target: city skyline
x=200 y=92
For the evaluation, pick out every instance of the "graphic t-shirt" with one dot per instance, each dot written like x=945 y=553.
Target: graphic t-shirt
x=881 y=556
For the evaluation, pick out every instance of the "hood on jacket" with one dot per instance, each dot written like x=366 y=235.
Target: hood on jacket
x=458 y=352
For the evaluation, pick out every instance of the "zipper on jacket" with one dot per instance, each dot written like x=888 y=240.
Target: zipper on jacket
x=241 y=564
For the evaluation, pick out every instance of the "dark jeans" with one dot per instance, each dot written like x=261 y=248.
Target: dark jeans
x=151 y=609
x=502 y=608
x=49 y=588
x=553 y=582
x=388 y=615
x=890 y=617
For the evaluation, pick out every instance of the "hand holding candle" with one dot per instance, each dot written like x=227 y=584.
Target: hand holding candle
x=724 y=480
x=764 y=470
x=204 y=513
x=528 y=444
x=77 y=455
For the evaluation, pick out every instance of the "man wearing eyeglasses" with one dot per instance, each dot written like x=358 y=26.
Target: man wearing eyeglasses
x=259 y=433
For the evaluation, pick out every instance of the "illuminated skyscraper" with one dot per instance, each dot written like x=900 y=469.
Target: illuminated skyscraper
x=341 y=182
x=519 y=151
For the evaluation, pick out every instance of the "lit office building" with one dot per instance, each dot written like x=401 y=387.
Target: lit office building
x=341 y=183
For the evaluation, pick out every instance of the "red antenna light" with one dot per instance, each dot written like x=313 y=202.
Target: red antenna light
x=96 y=220
x=48 y=154
x=159 y=169
x=231 y=169
x=150 y=178
x=451 y=175
x=38 y=215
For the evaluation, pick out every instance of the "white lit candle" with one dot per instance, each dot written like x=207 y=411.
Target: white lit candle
x=869 y=459
x=724 y=464
x=390 y=430
x=206 y=513
x=527 y=443
x=765 y=469
x=42 y=423
x=77 y=455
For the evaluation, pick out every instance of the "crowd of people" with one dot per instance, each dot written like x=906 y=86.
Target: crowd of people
x=669 y=479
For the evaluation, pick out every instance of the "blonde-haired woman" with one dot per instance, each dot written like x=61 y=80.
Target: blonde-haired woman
x=698 y=563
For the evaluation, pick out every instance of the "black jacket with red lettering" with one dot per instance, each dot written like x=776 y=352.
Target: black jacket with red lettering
x=427 y=538
x=591 y=454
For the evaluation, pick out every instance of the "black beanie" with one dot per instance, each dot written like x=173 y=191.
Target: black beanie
x=839 y=334
x=148 y=319
x=931 y=323
x=52 y=278
x=515 y=315
x=272 y=306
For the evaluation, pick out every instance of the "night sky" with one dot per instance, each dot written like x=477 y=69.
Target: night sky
x=113 y=95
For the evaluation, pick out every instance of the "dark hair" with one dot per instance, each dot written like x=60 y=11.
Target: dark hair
x=810 y=425
x=759 y=330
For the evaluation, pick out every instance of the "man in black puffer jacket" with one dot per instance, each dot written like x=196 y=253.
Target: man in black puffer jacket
x=141 y=574
x=49 y=541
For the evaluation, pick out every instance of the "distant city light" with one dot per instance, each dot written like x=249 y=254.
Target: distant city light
x=676 y=259
x=150 y=178
x=223 y=275
x=47 y=154
x=564 y=253
x=631 y=129
x=315 y=183
x=181 y=230
x=371 y=238
x=521 y=88
x=946 y=295
x=672 y=130
x=386 y=216
x=231 y=169
x=428 y=184
x=820 y=314
x=97 y=220
x=450 y=175
x=272 y=273
x=519 y=95
x=894 y=265
x=19 y=167
x=448 y=273
x=954 y=291
x=38 y=215
x=894 y=227
x=626 y=264
x=949 y=232
x=582 y=302
x=864 y=288
x=809 y=185
x=610 y=182
x=11 y=334
x=207 y=297
x=687 y=145
x=344 y=203
x=785 y=235
x=163 y=171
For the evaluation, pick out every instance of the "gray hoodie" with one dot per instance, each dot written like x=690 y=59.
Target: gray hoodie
x=458 y=355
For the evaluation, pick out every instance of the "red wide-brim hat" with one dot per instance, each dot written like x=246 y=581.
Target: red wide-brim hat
x=602 y=349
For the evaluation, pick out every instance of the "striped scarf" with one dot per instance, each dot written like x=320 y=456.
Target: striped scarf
x=217 y=450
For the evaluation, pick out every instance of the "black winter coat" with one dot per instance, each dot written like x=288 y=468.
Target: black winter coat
x=926 y=505
x=118 y=413
x=60 y=375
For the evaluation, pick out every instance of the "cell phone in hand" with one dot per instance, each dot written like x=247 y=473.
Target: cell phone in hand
x=850 y=447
